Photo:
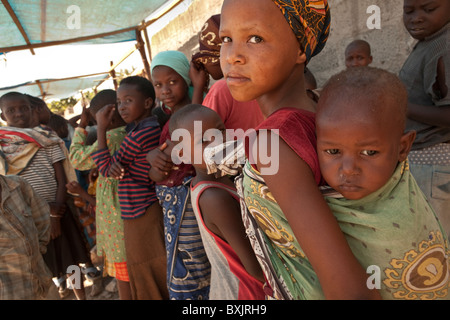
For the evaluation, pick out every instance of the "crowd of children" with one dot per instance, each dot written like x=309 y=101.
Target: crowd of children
x=362 y=179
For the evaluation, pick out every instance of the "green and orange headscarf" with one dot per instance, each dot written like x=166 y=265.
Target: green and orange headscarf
x=310 y=21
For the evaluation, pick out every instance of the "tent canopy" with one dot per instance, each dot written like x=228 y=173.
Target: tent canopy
x=29 y=24
x=57 y=88
x=34 y=24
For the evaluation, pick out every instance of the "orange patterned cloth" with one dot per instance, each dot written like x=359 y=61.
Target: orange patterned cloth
x=310 y=20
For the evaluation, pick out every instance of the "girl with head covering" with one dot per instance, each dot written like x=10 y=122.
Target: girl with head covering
x=303 y=252
x=188 y=268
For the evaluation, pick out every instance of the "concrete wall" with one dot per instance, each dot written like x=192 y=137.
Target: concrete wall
x=390 y=44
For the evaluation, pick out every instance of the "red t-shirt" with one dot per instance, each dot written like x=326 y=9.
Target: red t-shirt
x=297 y=128
x=235 y=114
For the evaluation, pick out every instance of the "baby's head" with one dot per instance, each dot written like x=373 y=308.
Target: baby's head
x=358 y=54
x=103 y=98
x=423 y=18
x=135 y=99
x=16 y=110
x=199 y=127
x=360 y=125
x=40 y=112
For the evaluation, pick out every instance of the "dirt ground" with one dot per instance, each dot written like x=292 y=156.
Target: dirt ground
x=109 y=291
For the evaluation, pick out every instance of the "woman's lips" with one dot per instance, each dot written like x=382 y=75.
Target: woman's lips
x=236 y=78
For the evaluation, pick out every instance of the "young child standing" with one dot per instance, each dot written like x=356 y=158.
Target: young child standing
x=188 y=268
x=426 y=75
x=110 y=237
x=235 y=274
x=363 y=147
x=140 y=211
x=358 y=53
x=264 y=51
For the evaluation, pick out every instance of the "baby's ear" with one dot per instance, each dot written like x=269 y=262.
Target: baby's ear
x=149 y=102
x=406 y=142
x=3 y=117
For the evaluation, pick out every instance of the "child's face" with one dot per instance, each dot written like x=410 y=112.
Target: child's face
x=16 y=112
x=259 y=49
x=132 y=104
x=44 y=113
x=358 y=151
x=357 y=56
x=170 y=87
x=423 y=18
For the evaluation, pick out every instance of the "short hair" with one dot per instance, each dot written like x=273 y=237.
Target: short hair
x=59 y=124
x=143 y=85
x=35 y=102
x=177 y=118
x=102 y=99
x=12 y=94
x=357 y=43
x=366 y=82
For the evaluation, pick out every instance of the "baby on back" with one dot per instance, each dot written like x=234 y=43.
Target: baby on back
x=363 y=148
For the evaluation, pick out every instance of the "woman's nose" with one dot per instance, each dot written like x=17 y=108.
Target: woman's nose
x=233 y=54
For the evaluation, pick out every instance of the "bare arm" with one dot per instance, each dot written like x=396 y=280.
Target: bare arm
x=433 y=115
x=221 y=214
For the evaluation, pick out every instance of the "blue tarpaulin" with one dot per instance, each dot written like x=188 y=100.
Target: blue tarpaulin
x=42 y=22
x=56 y=88
x=35 y=24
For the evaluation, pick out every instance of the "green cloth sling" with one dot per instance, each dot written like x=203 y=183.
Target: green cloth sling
x=393 y=232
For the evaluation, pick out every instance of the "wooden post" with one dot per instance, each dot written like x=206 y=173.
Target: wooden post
x=113 y=75
x=147 y=42
x=141 y=48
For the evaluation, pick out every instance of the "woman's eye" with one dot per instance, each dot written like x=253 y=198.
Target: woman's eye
x=369 y=152
x=255 y=39
x=332 y=151
x=226 y=39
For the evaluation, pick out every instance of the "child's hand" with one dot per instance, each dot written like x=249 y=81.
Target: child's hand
x=74 y=187
x=116 y=171
x=56 y=213
x=84 y=118
x=93 y=175
x=198 y=75
x=55 y=228
x=104 y=116
x=160 y=160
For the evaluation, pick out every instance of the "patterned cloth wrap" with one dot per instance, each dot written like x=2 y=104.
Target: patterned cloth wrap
x=393 y=232
x=309 y=20
x=188 y=267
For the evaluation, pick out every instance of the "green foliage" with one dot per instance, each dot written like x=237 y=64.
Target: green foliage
x=59 y=106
